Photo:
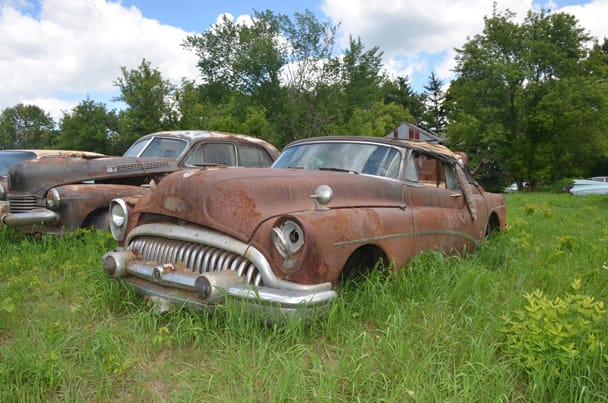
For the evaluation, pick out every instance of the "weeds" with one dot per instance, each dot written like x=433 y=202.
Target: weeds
x=441 y=329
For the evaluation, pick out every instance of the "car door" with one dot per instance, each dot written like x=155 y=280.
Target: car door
x=442 y=216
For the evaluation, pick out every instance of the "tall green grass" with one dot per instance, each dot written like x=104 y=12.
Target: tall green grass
x=444 y=329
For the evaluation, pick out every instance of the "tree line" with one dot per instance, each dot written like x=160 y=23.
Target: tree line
x=530 y=97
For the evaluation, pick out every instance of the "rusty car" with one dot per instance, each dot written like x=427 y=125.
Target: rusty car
x=10 y=157
x=279 y=240
x=60 y=193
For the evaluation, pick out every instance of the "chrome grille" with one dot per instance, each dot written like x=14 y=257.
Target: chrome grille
x=137 y=166
x=195 y=256
x=22 y=204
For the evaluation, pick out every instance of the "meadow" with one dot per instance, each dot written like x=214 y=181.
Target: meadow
x=523 y=318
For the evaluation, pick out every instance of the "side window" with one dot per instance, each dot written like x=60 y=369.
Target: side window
x=450 y=177
x=250 y=156
x=431 y=171
x=212 y=153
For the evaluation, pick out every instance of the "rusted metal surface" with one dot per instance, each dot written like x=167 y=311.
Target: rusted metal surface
x=87 y=182
x=426 y=201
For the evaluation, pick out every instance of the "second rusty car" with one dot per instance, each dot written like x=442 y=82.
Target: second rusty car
x=61 y=193
x=280 y=239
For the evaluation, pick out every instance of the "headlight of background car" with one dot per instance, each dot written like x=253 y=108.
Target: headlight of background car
x=288 y=238
x=119 y=217
x=53 y=200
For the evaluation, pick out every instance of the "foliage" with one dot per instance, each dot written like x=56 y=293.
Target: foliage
x=89 y=126
x=434 y=117
x=148 y=99
x=26 y=126
x=549 y=336
x=524 y=96
x=286 y=68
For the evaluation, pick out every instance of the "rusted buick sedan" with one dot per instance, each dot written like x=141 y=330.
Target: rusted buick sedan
x=279 y=239
x=63 y=192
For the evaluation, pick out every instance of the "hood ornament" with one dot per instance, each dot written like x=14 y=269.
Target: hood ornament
x=322 y=196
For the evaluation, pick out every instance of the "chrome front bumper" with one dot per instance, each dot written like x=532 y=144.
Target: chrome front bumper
x=37 y=217
x=173 y=284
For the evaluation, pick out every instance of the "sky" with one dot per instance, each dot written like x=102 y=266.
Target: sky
x=57 y=53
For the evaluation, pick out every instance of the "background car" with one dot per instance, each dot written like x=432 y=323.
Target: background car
x=280 y=239
x=595 y=185
x=10 y=157
x=65 y=193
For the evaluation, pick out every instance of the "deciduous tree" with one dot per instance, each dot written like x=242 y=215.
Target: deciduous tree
x=524 y=98
x=26 y=126
x=148 y=97
x=89 y=127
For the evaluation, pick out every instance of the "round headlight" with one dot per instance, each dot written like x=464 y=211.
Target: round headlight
x=2 y=192
x=53 y=200
x=119 y=217
x=288 y=238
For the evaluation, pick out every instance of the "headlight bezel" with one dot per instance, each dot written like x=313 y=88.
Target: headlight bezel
x=288 y=238
x=119 y=218
x=3 y=192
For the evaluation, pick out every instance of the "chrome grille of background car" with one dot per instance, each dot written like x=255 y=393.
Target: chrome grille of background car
x=196 y=257
x=22 y=204
x=137 y=166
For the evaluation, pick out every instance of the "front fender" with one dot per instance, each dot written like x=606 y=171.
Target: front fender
x=79 y=201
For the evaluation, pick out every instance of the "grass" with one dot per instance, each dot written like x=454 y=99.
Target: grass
x=436 y=331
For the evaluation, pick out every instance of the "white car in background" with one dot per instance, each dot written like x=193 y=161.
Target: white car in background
x=596 y=185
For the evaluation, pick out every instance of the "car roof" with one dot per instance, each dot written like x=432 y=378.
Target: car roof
x=418 y=145
x=194 y=135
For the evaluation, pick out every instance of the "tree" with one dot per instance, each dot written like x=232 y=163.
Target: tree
x=149 y=103
x=89 y=126
x=399 y=91
x=287 y=68
x=434 y=117
x=515 y=82
x=26 y=126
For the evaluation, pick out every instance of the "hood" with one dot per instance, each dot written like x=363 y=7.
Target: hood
x=237 y=200
x=38 y=176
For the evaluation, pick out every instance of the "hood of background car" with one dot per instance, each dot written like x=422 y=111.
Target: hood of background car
x=236 y=200
x=38 y=176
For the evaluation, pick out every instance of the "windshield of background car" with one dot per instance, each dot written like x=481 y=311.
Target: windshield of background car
x=8 y=158
x=159 y=147
x=365 y=158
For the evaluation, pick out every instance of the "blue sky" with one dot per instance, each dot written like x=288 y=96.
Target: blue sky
x=56 y=53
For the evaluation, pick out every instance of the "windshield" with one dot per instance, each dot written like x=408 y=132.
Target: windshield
x=160 y=147
x=365 y=158
x=8 y=158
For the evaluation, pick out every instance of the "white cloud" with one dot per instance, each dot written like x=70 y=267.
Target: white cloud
x=591 y=16
x=74 y=48
x=418 y=38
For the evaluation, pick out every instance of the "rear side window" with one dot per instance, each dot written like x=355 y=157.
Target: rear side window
x=250 y=156
x=212 y=153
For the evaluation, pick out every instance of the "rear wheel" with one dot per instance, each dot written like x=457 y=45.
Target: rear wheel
x=493 y=225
